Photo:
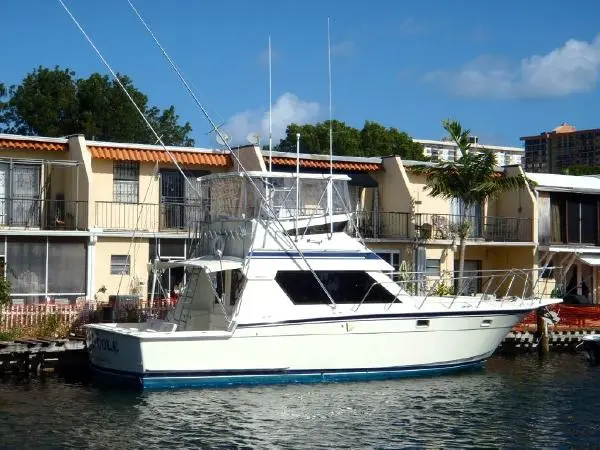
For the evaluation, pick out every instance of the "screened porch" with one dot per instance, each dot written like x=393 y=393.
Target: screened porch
x=43 y=194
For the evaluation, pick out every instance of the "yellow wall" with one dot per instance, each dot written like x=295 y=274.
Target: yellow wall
x=109 y=214
x=139 y=256
x=424 y=202
x=251 y=158
x=502 y=259
x=394 y=195
x=518 y=204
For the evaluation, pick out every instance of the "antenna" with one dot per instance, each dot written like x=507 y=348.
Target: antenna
x=330 y=184
x=223 y=138
x=253 y=138
x=270 y=113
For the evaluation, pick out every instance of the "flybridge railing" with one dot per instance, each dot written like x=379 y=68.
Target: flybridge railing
x=474 y=287
x=279 y=196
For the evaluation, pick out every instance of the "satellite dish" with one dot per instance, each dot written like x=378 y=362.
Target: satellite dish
x=253 y=138
x=223 y=138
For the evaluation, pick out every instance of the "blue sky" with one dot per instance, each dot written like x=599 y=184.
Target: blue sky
x=505 y=69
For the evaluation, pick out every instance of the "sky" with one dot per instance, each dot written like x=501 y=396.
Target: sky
x=504 y=69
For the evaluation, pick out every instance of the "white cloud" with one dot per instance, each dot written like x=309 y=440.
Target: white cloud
x=288 y=108
x=344 y=48
x=566 y=70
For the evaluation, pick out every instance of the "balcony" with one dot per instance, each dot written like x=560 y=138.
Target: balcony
x=150 y=217
x=383 y=225
x=488 y=228
x=31 y=213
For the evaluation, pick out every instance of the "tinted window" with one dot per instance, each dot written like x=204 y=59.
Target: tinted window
x=344 y=287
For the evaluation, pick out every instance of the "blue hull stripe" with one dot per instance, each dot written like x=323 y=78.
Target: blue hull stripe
x=312 y=254
x=414 y=315
x=166 y=380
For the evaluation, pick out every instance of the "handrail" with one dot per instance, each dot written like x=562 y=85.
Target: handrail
x=499 y=274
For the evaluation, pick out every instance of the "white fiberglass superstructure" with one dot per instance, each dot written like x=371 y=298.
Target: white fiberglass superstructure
x=280 y=290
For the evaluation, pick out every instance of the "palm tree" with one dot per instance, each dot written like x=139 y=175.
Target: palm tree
x=471 y=179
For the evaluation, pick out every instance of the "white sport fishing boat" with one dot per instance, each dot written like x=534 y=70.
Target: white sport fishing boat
x=281 y=291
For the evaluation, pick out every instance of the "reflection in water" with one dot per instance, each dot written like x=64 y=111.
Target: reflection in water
x=519 y=402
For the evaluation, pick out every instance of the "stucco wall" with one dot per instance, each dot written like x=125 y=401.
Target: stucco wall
x=139 y=257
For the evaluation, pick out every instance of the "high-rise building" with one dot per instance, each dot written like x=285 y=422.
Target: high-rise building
x=563 y=147
x=446 y=150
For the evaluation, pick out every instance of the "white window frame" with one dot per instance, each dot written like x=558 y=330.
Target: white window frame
x=126 y=181
x=439 y=268
x=120 y=264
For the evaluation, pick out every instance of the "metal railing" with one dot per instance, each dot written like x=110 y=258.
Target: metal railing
x=474 y=288
x=44 y=214
x=167 y=216
x=489 y=228
x=373 y=225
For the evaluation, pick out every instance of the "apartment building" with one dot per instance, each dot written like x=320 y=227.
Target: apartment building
x=561 y=148
x=447 y=150
x=79 y=215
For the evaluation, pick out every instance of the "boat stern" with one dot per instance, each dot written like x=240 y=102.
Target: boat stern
x=114 y=350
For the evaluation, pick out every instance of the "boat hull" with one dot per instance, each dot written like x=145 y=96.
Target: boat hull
x=328 y=351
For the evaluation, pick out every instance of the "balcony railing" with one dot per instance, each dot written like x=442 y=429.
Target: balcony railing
x=167 y=216
x=374 y=225
x=43 y=214
x=489 y=228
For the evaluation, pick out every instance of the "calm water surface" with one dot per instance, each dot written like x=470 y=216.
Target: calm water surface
x=513 y=403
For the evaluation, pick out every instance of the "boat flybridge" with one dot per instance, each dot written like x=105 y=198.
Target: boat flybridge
x=280 y=289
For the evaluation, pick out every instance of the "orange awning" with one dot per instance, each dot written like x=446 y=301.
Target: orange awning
x=187 y=158
x=26 y=144
x=322 y=164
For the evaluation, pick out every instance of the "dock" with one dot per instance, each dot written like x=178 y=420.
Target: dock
x=523 y=341
x=38 y=356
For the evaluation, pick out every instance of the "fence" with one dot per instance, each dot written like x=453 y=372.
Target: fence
x=37 y=320
x=571 y=317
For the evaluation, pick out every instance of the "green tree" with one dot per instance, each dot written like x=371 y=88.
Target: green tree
x=581 y=169
x=471 y=179
x=53 y=102
x=373 y=140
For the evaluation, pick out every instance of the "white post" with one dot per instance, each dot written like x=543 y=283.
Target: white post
x=91 y=268
x=297 y=180
x=151 y=305
x=330 y=184
x=270 y=112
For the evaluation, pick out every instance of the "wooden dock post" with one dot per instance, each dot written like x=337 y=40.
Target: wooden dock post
x=542 y=330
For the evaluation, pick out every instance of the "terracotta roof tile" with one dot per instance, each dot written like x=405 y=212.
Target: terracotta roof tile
x=186 y=158
x=322 y=164
x=27 y=144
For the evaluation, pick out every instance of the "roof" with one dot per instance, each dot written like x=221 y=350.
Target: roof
x=314 y=161
x=409 y=163
x=156 y=153
x=34 y=143
x=564 y=128
x=474 y=147
x=551 y=182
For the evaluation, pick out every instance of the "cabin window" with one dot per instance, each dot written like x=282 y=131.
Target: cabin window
x=119 y=264
x=126 y=181
x=344 y=287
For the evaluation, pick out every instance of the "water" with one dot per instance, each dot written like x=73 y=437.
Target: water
x=513 y=403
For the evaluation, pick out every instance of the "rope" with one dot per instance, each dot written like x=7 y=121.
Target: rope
x=233 y=154
x=207 y=117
